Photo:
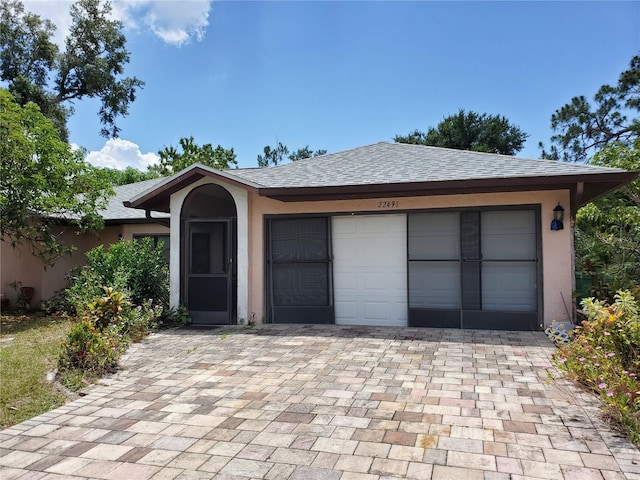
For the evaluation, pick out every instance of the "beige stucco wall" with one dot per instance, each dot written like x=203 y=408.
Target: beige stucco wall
x=17 y=264
x=557 y=246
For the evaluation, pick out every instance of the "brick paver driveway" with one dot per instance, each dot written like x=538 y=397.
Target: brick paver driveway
x=325 y=402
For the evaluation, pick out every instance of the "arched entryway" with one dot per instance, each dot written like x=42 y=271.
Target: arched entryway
x=208 y=245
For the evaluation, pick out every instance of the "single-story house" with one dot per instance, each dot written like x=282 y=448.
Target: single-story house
x=17 y=264
x=386 y=234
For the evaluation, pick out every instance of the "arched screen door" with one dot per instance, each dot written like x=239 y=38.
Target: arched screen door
x=209 y=273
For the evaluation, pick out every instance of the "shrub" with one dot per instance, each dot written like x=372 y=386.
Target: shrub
x=138 y=321
x=59 y=304
x=604 y=355
x=89 y=349
x=135 y=268
x=174 y=317
x=94 y=345
x=108 y=309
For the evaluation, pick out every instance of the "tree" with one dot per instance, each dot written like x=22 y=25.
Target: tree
x=172 y=161
x=91 y=65
x=128 y=175
x=471 y=131
x=278 y=154
x=608 y=230
x=305 y=152
x=44 y=184
x=273 y=156
x=584 y=128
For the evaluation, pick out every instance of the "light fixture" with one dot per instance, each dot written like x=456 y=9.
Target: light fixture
x=558 y=218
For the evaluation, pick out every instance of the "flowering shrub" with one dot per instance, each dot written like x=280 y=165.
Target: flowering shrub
x=604 y=355
x=138 y=321
x=93 y=345
x=90 y=349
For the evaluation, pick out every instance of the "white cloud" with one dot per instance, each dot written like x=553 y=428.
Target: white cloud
x=120 y=154
x=175 y=22
x=178 y=22
x=57 y=12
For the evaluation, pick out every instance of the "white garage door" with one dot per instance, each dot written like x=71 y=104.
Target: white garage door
x=370 y=270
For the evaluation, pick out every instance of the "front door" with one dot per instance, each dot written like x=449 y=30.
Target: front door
x=209 y=272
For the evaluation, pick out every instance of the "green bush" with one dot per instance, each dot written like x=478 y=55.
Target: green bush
x=108 y=309
x=604 y=355
x=174 y=317
x=94 y=351
x=135 y=268
x=138 y=321
x=93 y=346
x=59 y=304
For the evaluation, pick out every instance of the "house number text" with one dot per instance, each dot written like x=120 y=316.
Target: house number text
x=388 y=204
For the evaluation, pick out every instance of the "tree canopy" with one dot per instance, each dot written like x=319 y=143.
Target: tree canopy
x=471 y=131
x=608 y=230
x=128 y=175
x=172 y=160
x=273 y=156
x=44 y=183
x=306 y=152
x=582 y=128
x=91 y=65
x=279 y=153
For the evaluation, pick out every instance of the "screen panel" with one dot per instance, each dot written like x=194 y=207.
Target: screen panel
x=299 y=240
x=509 y=286
x=434 y=285
x=509 y=235
x=434 y=236
x=300 y=284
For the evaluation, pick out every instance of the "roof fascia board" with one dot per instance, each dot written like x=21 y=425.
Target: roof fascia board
x=145 y=200
x=506 y=184
x=133 y=221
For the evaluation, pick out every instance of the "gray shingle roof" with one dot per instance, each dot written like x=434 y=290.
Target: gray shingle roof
x=399 y=169
x=385 y=162
x=117 y=211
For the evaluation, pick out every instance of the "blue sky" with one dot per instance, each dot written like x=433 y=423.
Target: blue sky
x=338 y=75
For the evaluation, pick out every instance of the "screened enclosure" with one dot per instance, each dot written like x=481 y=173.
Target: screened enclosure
x=474 y=269
x=299 y=270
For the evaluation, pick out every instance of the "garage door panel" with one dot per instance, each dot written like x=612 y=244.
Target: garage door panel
x=370 y=280
x=345 y=279
x=390 y=280
x=347 y=309
x=369 y=252
x=377 y=311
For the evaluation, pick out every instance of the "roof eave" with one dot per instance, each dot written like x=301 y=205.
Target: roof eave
x=128 y=221
x=157 y=199
x=584 y=187
x=592 y=186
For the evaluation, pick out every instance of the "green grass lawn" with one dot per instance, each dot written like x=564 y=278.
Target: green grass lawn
x=29 y=347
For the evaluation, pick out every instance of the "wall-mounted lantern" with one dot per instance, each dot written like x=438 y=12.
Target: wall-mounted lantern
x=558 y=218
